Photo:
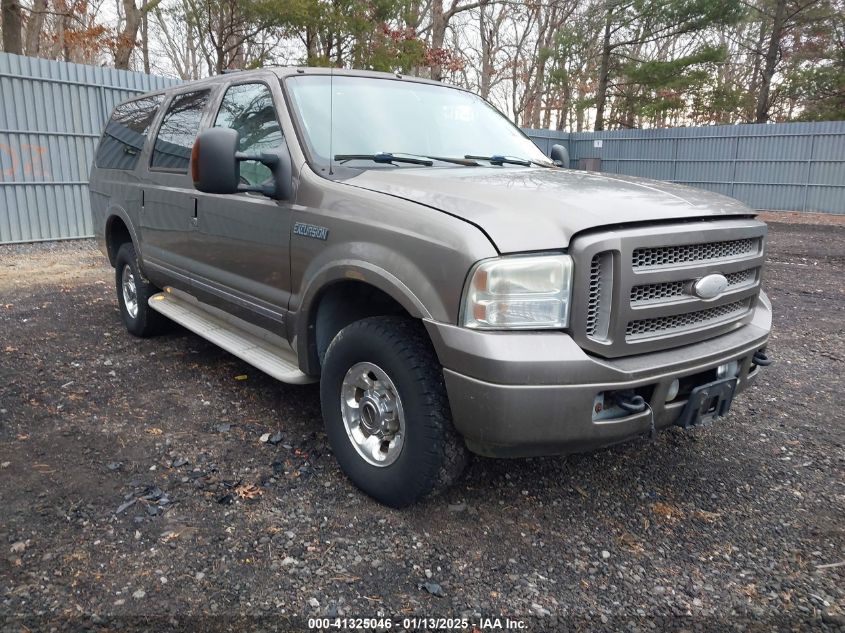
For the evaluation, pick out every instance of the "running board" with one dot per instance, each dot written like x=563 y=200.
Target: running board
x=278 y=362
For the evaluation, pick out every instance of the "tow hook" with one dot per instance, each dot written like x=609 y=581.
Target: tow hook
x=761 y=358
x=631 y=404
x=635 y=403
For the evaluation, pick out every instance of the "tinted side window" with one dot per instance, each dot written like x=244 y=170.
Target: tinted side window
x=126 y=133
x=248 y=108
x=178 y=131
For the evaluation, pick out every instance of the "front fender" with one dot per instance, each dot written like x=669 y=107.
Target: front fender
x=351 y=269
x=365 y=272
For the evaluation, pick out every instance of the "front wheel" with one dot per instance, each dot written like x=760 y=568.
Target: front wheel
x=386 y=411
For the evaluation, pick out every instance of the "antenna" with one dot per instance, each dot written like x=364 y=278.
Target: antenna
x=331 y=117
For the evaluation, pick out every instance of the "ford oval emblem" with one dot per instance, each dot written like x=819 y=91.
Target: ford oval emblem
x=710 y=286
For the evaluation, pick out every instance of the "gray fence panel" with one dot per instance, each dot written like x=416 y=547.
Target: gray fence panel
x=51 y=116
x=785 y=166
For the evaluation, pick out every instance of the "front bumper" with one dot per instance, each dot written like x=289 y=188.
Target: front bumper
x=518 y=394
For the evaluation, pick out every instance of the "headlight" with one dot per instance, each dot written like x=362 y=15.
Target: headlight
x=519 y=292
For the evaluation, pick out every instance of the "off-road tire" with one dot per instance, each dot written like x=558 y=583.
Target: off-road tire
x=433 y=455
x=147 y=322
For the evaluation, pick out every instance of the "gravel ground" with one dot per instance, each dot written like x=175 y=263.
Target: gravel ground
x=136 y=493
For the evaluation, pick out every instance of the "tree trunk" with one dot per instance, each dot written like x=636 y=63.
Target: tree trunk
x=311 y=45
x=604 y=76
x=126 y=40
x=145 y=42
x=761 y=114
x=11 y=11
x=438 y=36
x=486 y=56
x=565 y=106
x=66 y=41
x=32 y=47
x=220 y=56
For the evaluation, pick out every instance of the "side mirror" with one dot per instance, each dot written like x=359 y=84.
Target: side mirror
x=560 y=156
x=278 y=160
x=215 y=165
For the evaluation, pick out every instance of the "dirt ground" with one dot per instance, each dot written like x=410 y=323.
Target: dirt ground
x=136 y=494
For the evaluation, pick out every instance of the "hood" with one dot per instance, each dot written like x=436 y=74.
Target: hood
x=530 y=209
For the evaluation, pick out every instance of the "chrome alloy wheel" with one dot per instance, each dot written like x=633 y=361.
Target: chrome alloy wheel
x=130 y=292
x=372 y=414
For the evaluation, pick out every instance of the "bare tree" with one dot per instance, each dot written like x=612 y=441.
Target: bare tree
x=177 y=34
x=440 y=19
x=133 y=16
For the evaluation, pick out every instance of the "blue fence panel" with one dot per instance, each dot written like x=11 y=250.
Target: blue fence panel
x=51 y=116
x=782 y=166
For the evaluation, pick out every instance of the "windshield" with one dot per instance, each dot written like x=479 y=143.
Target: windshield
x=373 y=116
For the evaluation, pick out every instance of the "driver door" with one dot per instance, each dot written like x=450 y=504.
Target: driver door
x=242 y=241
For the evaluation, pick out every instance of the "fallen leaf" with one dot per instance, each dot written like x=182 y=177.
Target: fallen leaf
x=667 y=511
x=630 y=542
x=248 y=491
x=153 y=430
x=704 y=515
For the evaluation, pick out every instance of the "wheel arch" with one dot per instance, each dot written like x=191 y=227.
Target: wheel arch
x=118 y=231
x=343 y=295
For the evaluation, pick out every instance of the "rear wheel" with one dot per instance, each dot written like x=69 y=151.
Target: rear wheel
x=386 y=411
x=133 y=292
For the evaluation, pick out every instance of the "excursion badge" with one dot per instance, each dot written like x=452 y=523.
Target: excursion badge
x=311 y=230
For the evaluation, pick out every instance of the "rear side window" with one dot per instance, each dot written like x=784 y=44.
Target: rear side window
x=178 y=131
x=126 y=132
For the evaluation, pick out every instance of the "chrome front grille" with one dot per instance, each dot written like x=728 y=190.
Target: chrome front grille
x=672 y=290
x=693 y=253
x=679 y=322
x=657 y=292
x=634 y=287
x=599 y=295
x=595 y=293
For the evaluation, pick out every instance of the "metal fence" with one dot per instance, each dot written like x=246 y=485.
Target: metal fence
x=51 y=116
x=784 y=166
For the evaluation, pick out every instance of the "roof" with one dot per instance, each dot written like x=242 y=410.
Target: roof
x=289 y=71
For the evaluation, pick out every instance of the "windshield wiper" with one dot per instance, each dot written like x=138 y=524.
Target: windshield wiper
x=456 y=161
x=505 y=160
x=386 y=158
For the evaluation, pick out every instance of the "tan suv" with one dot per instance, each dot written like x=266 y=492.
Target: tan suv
x=449 y=285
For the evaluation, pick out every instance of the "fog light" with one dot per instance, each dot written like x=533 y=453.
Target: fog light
x=728 y=370
x=674 y=388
